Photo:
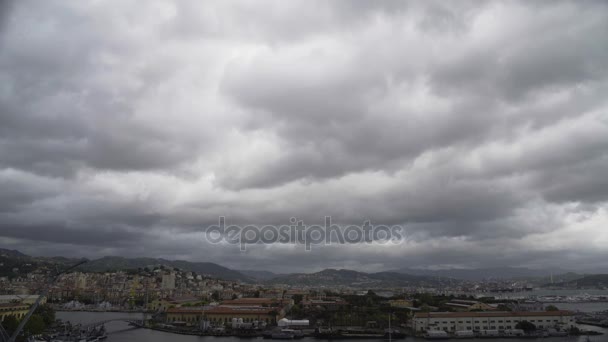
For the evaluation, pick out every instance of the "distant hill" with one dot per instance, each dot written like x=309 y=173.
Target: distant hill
x=484 y=273
x=12 y=259
x=11 y=253
x=342 y=277
x=109 y=263
x=260 y=275
x=588 y=281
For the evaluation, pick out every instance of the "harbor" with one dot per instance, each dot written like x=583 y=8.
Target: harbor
x=122 y=331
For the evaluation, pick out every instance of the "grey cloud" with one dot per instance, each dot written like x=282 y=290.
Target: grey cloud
x=127 y=130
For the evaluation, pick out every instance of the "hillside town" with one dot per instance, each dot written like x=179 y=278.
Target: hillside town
x=185 y=302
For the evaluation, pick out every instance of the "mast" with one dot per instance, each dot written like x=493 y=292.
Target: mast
x=389 y=326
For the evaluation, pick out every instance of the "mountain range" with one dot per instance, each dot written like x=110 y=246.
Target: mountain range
x=485 y=273
x=11 y=259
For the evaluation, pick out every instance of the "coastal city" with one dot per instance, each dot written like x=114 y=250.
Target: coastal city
x=178 y=301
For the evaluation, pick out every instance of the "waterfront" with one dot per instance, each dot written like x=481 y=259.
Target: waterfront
x=121 y=332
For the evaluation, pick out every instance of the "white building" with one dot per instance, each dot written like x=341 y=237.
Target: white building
x=168 y=281
x=25 y=299
x=490 y=320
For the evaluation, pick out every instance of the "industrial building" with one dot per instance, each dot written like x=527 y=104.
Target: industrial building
x=490 y=320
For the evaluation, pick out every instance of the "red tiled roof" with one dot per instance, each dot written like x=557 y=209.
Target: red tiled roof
x=185 y=311
x=222 y=310
x=228 y=310
x=252 y=301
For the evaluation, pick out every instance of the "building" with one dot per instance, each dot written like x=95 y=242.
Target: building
x=80 y=282
x=259 y=302
x=527 y=305
x=168 y=281
x=18 y=310
x=161 y=305
x=468 y=305
x=24 y=299
x=491 y=320
x=400 y=303
x=326 y=304
x=221 y=315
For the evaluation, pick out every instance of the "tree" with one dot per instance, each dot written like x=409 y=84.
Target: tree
x=10 y=323
x=35 y=325
x=551 y=308
x=526 y=326
x=47 y=313
x=297 y=298
x=425 y=308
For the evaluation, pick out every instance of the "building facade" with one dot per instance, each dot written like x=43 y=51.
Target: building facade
x=13 y=309
x=493 y=320
x=221 y=315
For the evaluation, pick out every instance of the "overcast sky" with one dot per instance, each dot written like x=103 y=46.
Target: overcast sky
x=127 y=127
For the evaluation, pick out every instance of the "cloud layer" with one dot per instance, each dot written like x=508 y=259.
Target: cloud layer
x=481 y=127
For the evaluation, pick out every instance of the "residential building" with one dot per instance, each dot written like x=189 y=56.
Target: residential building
x=168 y=281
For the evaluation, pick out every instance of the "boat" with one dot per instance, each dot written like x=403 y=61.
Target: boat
x=464 y=334
x=488 y=333
x=350 y=334
x=283 y=334
x=436 y=335
x=557 y=333
x=393 y=333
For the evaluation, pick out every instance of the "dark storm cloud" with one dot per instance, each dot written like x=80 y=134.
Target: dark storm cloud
x=478 y=126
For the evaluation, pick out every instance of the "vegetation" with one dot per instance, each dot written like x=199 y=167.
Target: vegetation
x=42 y=318
x=526 y=326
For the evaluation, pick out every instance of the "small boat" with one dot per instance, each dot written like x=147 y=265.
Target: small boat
x=283 y=334
x=436 y=335
x=464 y=334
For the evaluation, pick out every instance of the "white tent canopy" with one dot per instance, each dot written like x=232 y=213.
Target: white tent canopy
x=284 y=322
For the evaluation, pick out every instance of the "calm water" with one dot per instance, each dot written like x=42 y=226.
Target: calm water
x=121 y=332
